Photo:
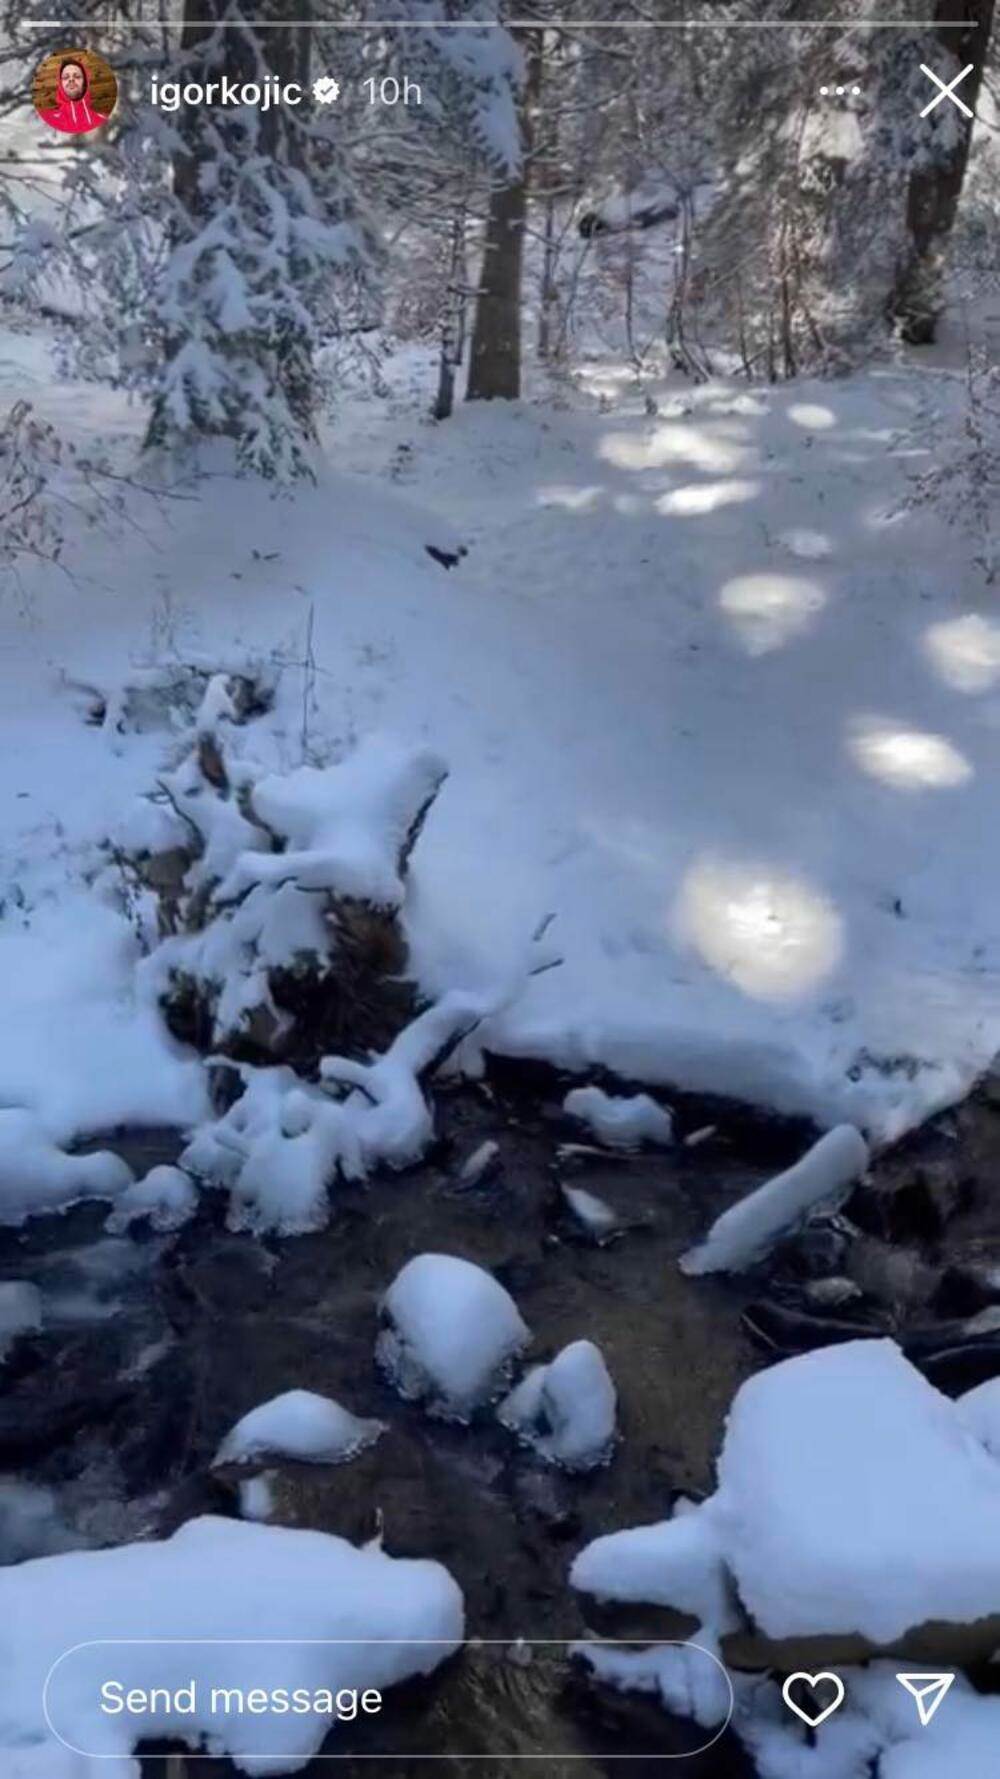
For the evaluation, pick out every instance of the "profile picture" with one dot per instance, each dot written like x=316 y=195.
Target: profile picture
x=74 y=91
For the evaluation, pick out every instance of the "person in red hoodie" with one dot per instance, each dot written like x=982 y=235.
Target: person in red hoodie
x=73 y=113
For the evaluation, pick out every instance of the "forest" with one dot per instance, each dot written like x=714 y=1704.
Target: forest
x=499 y=943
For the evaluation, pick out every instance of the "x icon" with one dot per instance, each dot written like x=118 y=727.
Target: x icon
x=947 y=92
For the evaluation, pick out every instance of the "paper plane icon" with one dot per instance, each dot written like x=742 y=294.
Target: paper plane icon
x=928 y=1691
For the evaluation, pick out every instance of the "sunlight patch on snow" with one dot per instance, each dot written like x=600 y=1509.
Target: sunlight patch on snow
x=965 y=652
x=705 y=497
x=812 y=416
x=669 y=443
x=768 y=610
x=907 y=759
x=767 y=932
x=572 y=500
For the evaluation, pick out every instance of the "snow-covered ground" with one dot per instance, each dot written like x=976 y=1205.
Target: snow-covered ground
x=702 y=701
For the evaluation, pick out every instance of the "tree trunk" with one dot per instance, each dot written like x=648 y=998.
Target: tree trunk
x=495 y=361
x=453 y=325
x=933 y=193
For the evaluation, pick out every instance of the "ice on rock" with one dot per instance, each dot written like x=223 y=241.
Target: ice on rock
x=566 y=1410
x=20 y=1311
x=680 y=1563
x=165 y=1196
x=180 y=1608
x=256 y=1496
x=452 y=1333
x=37 y=1176
x=744 y=1233
x=620 y=1121
x=300 y=1425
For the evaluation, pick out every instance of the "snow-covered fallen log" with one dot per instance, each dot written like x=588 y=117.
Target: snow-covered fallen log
x=746 y=1232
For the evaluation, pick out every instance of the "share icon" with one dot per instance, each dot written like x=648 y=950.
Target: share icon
x=928 y=1691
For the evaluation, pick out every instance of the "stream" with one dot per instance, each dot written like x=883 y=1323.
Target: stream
x=154 y=1346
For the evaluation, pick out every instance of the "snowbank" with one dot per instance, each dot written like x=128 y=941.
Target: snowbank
x=620 y=1121
x=748 y=1229
x=452 y=1334
x=301 y=1425
x=566 y=1409
x=206 y=1587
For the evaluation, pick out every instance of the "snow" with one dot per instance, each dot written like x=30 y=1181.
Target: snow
x=452 y=1333
x=748 y=1229
x=834 y=1477
x=689 y=1680
x=566 y=1410
x=979 y=1411
x=205 y=1587
x=20 y=1311
x=877 y=1730
x=257 y=1496
x=851 y=1499
x=755 y=877
x=345 y=826
x=678 y=1562
x=282 y=1146
x=300 y=1425
x=165 y=1195
x=623 y=1122
x=36 y=1175
x=592 y=1212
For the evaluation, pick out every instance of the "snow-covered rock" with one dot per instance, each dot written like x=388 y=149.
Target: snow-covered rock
x=20 y=1311
x=301 y=1425
x=36 y=1175
x=452 y=1333
x=566 y=1409
x=166 y=1196
x=621 y=1121
x=745 y=1232
x=204 y=1588
x=851 y=1501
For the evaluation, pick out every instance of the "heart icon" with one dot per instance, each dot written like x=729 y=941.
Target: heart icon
x=813 y=1719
